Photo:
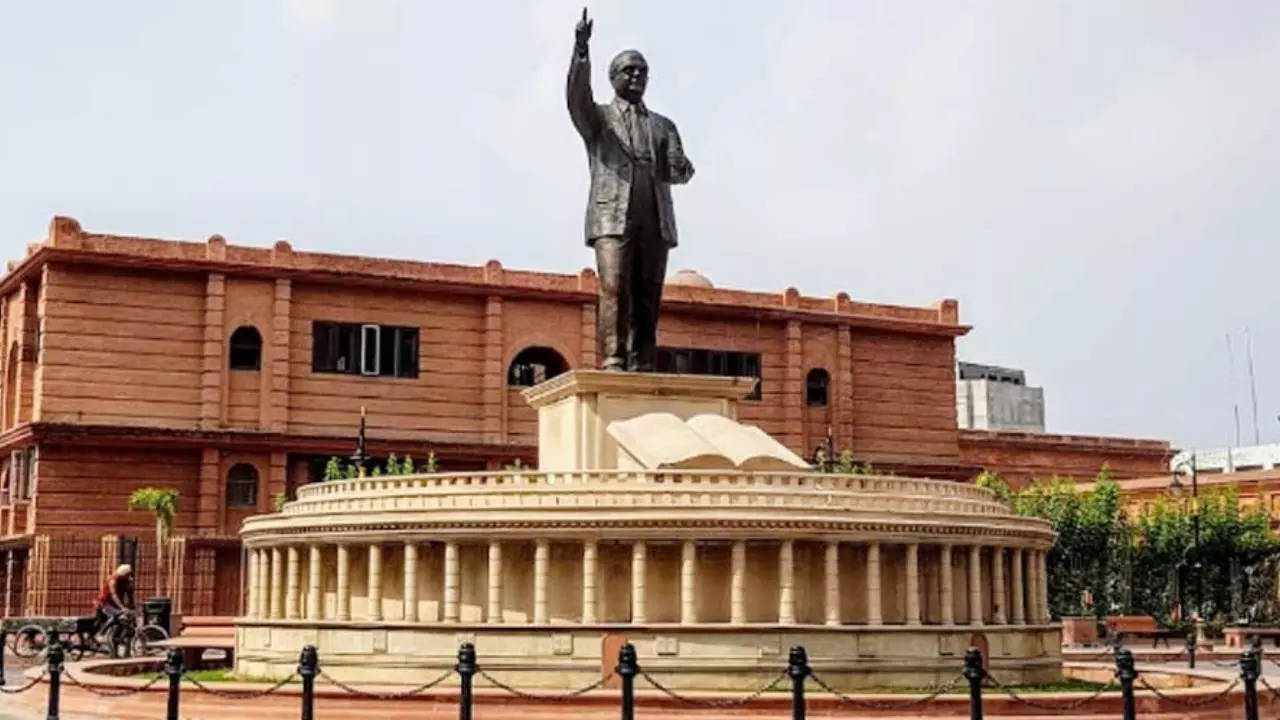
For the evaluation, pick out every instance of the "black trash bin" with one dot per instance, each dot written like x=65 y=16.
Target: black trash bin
x=158 y=611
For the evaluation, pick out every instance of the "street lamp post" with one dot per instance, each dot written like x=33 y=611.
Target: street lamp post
x=1175 y=486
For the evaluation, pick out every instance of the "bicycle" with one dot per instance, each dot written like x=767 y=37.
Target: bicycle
x=124 y=635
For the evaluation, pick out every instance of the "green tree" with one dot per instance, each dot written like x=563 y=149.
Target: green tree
x=1091 y=541
x=1232 y=575
x=333 y=470
x=993 y=482
x=1103 y=561
x=163 y=504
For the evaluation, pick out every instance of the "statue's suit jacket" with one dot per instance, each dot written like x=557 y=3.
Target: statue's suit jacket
x=609 y=151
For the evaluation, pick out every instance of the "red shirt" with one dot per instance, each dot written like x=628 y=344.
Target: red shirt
x=104 y=596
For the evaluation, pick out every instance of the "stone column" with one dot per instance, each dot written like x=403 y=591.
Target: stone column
x=638 y=558
x=410 y=582
x=344 y=583
x=277 y=584
x=375 y=582
x=1034 y=611
x=252 y=572
x=314 y=599
x=541 y=572
x=944 y=575
x=873 y=584
x=1016 y=571
x=688 y=580
x=738 y=583
x=264 y=583
x=997 y=586
x=495 y=582
x=975 y=584
x=291 y=597
x=589 y=582
x=1043 y=573
x=913 y=584
x=786 y=583
x=831 y=575
x=452 y=582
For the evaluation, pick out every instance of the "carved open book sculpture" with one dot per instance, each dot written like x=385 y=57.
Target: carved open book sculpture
x=660 y=440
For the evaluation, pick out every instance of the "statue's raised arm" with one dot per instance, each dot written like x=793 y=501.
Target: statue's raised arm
x=582 y=106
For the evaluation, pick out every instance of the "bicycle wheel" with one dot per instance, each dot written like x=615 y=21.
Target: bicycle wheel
x=145 y=639
x=29 y=641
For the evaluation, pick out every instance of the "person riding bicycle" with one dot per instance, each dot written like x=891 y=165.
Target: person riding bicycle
x=116 y=597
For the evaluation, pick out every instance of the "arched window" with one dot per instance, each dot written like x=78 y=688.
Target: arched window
x=246 y=348
x=242 y=486
x=533 y=365
x=815 y=387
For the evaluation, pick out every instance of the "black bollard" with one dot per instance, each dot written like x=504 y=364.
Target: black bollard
x=974 y=673
x=308 y=668
x=1126 y=675
x=627 y=669
x=466 y=669
x=55 y=674
x=1191 y=649
x=798 y=670
x=1250 y=668
x=3 y=637
x=173 y=668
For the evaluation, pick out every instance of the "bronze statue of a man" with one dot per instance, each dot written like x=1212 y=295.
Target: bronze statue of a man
x=635 y=156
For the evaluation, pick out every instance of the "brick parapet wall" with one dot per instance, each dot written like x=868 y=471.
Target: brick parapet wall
x=1019 y=457
x=67 y=241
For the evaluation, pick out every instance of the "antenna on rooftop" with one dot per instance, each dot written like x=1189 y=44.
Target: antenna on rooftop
x=1235 y=406
x=1253 y=388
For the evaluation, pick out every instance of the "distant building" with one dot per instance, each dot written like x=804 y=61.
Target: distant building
x=1231 y=459
x=997 y=398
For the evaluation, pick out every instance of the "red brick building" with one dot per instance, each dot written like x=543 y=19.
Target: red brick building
x=231 y=373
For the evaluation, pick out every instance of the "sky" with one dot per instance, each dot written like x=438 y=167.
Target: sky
x=1094 y=181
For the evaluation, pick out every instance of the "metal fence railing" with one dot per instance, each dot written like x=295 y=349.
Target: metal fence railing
x=973 y=675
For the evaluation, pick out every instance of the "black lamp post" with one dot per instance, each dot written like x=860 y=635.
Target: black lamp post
x=1175 y=487
x=359 y=458
x=824 y=455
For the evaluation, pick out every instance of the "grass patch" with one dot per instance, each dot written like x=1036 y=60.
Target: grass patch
x=215 y=675
x=1080 y=686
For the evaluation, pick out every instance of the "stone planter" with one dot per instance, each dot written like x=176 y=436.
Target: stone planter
x=1079 y=630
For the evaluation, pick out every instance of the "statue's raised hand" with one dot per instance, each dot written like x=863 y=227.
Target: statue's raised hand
x=582 y=33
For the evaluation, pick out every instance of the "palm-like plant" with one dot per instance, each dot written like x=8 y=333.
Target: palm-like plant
x=163 y=503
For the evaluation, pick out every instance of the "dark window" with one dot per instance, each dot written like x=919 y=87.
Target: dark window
x=246 y=348
x=21 y=472
x=535 y=364
x=242 y=486
x=384 y=350
x=700 y=361
x=815 y=387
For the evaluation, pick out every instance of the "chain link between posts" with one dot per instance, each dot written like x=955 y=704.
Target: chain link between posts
x=398 y=695
x=733 y=702
x=23 y=688
x=117 y=693
x=237 y=694
x=525 y=695
x=1189 y=703
x=932 y=695
x=1049 y=707
x=1274 y=692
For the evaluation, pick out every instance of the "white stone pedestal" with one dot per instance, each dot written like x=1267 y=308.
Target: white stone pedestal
x=575 y=408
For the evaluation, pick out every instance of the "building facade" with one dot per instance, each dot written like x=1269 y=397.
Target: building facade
x=233 y=373
x=1241 y=458
x=996 y=398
